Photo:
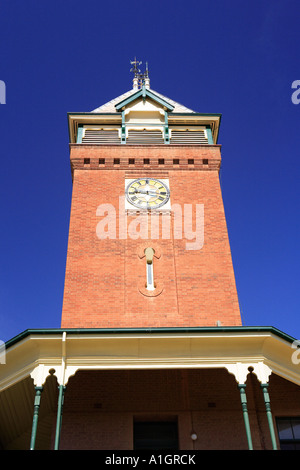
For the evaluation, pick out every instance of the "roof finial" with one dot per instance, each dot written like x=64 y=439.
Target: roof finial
x=139 y=78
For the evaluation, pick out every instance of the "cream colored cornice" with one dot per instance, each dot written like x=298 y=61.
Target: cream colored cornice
x=94 y=119
x=39 y=353
x=77 y=119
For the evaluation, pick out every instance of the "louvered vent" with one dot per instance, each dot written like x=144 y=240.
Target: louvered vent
x=188 y=137
x=101 y=136
x=144 y=137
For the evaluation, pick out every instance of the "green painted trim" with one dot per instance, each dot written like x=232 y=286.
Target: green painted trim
x=61 y=389
x=217 y=329
x=159 y=100
x=209 y=135
x=79 y=135
x=143 y=92
x=123 y=129
x=36 y=408
x=264 y=388
x=242 y=389
x=131 y=98
x=167 y=135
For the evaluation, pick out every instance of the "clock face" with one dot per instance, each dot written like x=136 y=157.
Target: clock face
x=147 y=193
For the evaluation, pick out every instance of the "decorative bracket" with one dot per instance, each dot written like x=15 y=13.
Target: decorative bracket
x=241 y=370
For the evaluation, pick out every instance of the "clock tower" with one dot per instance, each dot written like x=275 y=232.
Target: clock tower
x=148 y=244
x=151 y=353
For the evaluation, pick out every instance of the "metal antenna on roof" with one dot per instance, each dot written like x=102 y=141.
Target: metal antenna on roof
x=135 y=68
x=139 y=79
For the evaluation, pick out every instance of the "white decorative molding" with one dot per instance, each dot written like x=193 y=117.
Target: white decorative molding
x=239 y=370
x=262 y=372
x=63 y=353
x=69 y=372
x=40 y=373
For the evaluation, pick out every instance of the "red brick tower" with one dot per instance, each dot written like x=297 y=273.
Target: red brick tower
x=148 y=243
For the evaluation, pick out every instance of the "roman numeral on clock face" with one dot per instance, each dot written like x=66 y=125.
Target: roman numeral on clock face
x=148 y=193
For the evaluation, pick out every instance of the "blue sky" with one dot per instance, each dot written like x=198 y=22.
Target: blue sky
x=231 y=57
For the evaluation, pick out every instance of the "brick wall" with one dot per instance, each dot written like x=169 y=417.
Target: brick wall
x=100 y=408
x=105 y=278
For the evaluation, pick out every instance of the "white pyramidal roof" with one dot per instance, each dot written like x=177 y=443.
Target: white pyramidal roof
x=109 y=107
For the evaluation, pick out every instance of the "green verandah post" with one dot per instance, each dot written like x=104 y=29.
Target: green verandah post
x=242 y=388
x=36 y=408
x=269 y=414
x=61 y=389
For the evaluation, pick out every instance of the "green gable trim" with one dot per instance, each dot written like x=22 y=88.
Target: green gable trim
x=143 y=93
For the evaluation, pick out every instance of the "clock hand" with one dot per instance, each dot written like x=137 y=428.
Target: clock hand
x=141 y=191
